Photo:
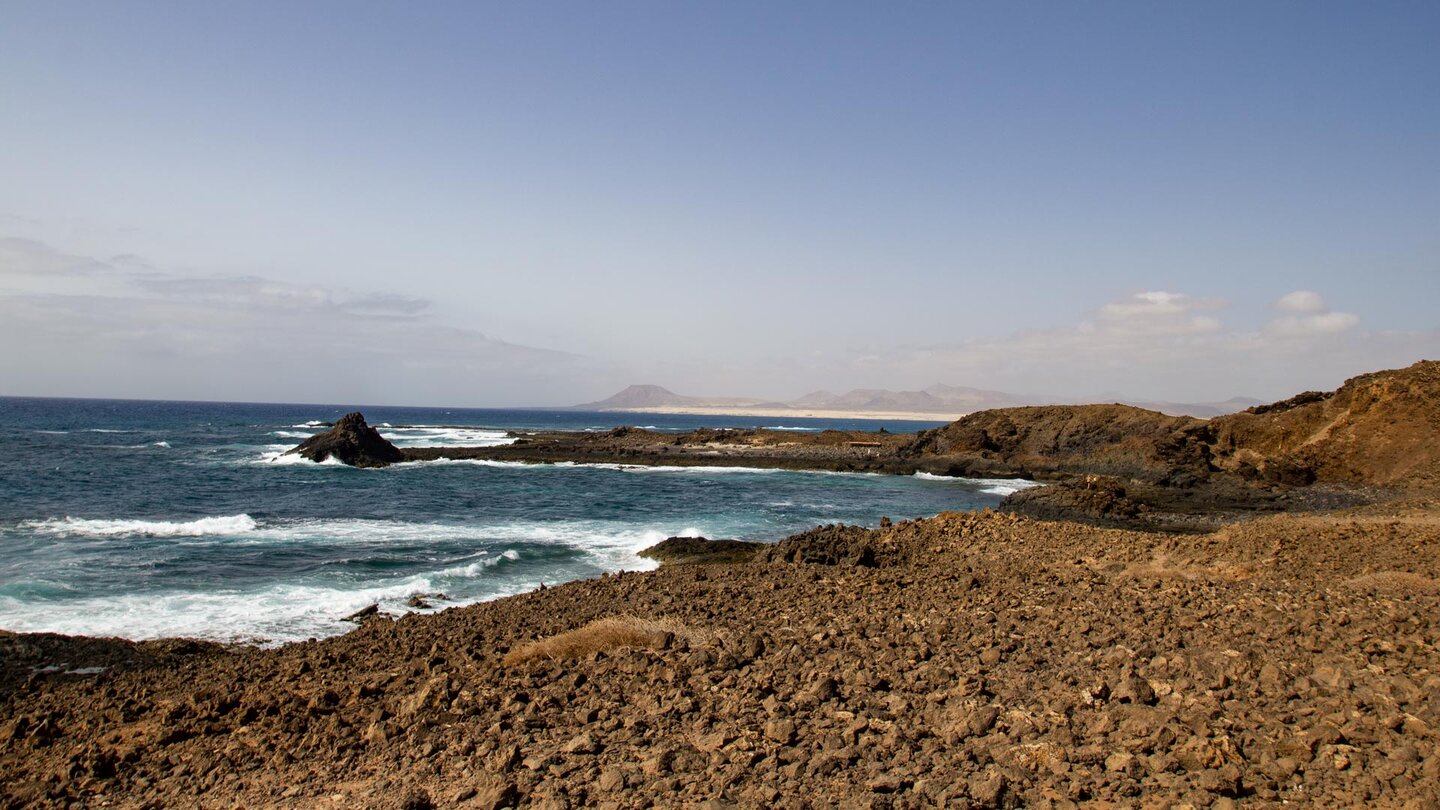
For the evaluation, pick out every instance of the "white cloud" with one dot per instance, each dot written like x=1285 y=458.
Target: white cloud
x=1157 y=312
x=24 y=260
x=1157 y=345
x=1302 y=301
x=1317 y=319
x=1326 y=323
x=264 y=293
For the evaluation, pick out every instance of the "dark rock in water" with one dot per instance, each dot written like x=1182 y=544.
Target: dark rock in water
x=674 y=550
x=353 y=442
x=363 y=614
x=422 y=601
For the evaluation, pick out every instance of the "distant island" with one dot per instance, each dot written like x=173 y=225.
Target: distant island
x=938 y=402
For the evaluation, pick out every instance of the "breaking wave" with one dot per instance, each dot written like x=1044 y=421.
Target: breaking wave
x=70 y=526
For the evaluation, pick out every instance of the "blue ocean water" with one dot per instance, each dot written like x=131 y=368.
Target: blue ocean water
x=150 y=519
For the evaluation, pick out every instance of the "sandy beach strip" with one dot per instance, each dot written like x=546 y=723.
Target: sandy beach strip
x=805 y=413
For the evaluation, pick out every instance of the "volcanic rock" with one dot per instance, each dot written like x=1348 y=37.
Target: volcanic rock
x=692 y=550
x=1376 y=429
x=1112 y=440
x=353 y=442
x=829 y=545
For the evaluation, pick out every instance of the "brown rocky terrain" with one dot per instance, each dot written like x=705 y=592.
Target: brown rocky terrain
x=969 y=660
x=1378 y=428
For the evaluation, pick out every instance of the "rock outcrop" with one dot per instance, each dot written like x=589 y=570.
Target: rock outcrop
x=698 y=550
x=1058 y=440
x=1380 y=429
x=351 y=441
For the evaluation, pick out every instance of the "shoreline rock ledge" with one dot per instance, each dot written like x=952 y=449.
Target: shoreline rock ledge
x=353 y=442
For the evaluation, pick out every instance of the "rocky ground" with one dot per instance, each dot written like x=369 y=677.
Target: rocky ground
x=969 y=660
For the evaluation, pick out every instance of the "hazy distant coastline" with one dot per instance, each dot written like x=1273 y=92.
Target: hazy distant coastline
x=936 y=403
x=785 y=411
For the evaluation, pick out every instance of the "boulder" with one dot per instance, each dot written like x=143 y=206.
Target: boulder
x=353 y=442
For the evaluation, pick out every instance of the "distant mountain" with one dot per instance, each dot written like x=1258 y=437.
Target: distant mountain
x=950 y=400
x=980 y=399
x=1203 y=410
x=642 y=396
x=814 y=399
x=654 y=396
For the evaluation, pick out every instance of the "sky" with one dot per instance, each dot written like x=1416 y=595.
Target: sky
x=538 y=203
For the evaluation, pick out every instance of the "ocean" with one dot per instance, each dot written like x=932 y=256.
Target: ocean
x=151 y=519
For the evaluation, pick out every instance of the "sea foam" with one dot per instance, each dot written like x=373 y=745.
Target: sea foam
x=1005 y=486
x=315 y=605
x=992 y=486
x=70 y=526
x=445 y=436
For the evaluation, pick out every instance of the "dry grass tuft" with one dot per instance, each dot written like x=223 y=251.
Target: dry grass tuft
x=601 y=635
x=1394 y=582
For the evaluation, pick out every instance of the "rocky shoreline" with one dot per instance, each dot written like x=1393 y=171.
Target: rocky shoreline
x=971 y=660
x=1228 y=655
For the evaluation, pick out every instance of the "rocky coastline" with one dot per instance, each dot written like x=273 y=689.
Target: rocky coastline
x=1108 y=465
x=1237 y=612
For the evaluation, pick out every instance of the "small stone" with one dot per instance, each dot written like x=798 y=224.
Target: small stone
x=1414 y=726
x=1220 y=780
x=1135 y=689
x=885 y=783
x=611 y=781
x=987 y=789
x=1323 y=734
x=505 y=760
x=781 y=731
x=581 y=744
x=503 y=795
x=658 y=765
x=981 y=720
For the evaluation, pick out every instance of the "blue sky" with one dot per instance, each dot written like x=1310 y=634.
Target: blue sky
x=532 y=203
